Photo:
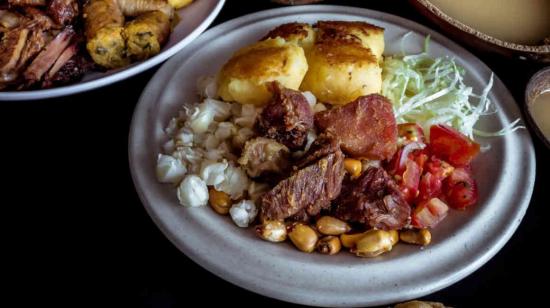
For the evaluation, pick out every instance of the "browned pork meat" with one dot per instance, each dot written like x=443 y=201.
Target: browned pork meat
x=263 y=156
x=287 y=118
x=373 y=199
x=72 y=70
x=47 y=57
x=311 y=189
x=63 y=12
x=321 y=147
x=11 y=47
x=38 y=19
x=365 y=128
x=65 y=56
x=36 y=41
x=9 y=20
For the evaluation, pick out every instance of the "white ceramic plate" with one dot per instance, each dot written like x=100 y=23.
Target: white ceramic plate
x=463 y=243
x=194 y=19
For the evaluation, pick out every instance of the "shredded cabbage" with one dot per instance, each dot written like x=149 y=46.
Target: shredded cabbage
x=431 y=91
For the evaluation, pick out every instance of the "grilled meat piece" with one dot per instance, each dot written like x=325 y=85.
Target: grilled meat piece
x=287 y=118
x=35 y=43
x=300 y=216
x=63 y=12
x=263 y=156
x=47 y=57
x=38 y=19
x=373 y=199
x=65 y=56
x=321 y=147
x=71 y=71
x=365 y=128
x=9 y=20
x=311 y=189
x=11 y=47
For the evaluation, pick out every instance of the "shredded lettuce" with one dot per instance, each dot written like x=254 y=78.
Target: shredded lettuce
x=431 y=91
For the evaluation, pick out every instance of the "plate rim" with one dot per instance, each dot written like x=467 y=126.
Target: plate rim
x=118 y=76
x=167 y=70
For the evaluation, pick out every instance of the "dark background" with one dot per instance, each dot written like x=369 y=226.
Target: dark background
x=75 y=232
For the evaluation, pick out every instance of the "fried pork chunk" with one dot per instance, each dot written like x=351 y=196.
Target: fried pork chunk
x=365 y=128
x=373 y=199
x=63 y=12
x=322 y=146
x=263 y=156
x=311 y=189
x=287 y=118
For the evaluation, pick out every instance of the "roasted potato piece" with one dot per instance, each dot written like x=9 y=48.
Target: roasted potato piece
x=245 y=77
x=339 y=72
x=146 y=34
x=178 y=4
x=369 y=36
x=103 y=27
x=298 y=33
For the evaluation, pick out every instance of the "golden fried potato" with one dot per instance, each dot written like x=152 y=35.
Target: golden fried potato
x=340 y=72
x=369 y=36
x=146 y=34
x=178 y=4
x=298 y=33
x=244 y=77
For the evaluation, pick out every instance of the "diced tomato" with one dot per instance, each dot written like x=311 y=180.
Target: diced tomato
x=398 y=163
x=421 y=157
x=410 y=132
x=410 y=181
x=429 y=213
x=429 y=187
x=438 y=167
x=452 y=146
x=460 y=189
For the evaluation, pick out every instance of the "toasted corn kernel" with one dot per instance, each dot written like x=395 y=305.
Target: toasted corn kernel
x=329 y=245
x=419 y=237
x=373 y=243
x=303 y=237
x=353 y=166
x=394 y=237
x=350 y=240
x=332 y=226
x=272 y=230
x=219 y=201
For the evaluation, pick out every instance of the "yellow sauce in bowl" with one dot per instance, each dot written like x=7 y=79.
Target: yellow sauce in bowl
x=517 y=21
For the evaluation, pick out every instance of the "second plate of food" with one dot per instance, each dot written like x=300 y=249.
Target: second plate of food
x=193 y=139
x=57 y=51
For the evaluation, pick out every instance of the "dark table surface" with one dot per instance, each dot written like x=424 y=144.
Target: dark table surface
x=78 y=234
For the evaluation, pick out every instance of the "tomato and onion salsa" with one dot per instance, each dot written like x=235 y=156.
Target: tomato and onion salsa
x=434 y=176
